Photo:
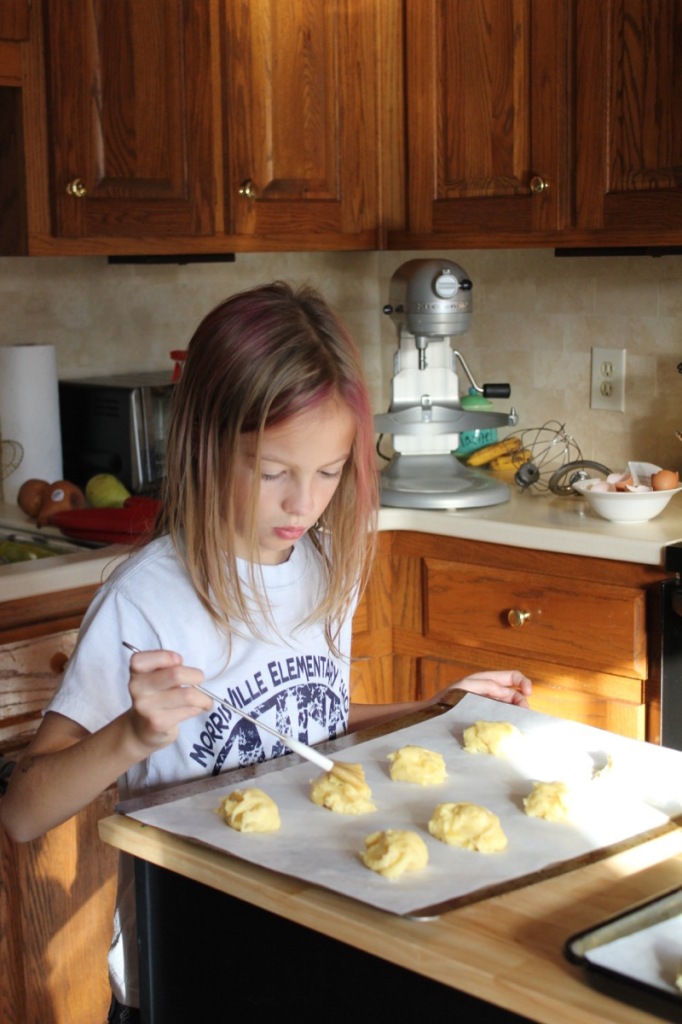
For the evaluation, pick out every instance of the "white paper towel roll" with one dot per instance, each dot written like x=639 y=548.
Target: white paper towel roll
x=29 y=413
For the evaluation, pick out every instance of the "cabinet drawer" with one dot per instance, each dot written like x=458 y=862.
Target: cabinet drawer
x=30 y=672
x=607 y=702
x=570 y=622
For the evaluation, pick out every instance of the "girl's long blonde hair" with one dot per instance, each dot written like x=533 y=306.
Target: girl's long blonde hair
x=256 y=360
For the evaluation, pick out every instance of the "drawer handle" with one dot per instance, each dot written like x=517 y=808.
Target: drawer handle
x=516 y=617
x=58 y=662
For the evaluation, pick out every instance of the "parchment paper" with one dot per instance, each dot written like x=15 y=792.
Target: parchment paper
x=652 y=956
x=639 y=795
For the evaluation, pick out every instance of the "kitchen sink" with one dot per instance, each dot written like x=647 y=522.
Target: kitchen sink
x=26 y=545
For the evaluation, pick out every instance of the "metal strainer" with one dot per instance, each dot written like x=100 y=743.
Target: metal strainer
x=11 y=454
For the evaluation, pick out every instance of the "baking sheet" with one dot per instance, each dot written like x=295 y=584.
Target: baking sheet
x=636 y=798
x=640 y=949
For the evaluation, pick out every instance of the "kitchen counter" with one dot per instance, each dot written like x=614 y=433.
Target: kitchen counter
x=506 y=950
x=534 y=520
x=541 y=521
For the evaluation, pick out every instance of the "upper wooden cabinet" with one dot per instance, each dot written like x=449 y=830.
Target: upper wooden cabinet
x=181 y=126
x=300 y=120
x=628 y=139
x=129 y=104
x=486 y=138
x=209 y=125
x=542 y=122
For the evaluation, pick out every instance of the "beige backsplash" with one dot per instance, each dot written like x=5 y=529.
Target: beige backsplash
x=536 y=318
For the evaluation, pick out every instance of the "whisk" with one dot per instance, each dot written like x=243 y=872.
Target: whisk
x=550 y=447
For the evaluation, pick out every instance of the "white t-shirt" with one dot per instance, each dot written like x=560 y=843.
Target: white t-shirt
x=289 y=678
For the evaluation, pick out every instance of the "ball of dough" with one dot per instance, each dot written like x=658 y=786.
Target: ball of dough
x=468 y=825
x=496 y=738
x=395 y=851
x=417 y=764
x=549 y=800
x=250 y=810
x=343 y=790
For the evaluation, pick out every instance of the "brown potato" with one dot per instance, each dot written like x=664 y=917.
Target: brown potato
x=61 y=496
x=32 y=494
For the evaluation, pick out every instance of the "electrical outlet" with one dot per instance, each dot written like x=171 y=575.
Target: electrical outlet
x=607 y=390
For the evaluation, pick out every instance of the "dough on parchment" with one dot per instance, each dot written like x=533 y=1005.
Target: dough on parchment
x=469 y=826
x=548 y=800
x=250 y=810
x=497 y=738
x=343 y=790
x=417 y=764
x=394 y=851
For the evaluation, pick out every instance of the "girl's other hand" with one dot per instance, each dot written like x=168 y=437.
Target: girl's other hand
x=511 y=687
x=164 y=693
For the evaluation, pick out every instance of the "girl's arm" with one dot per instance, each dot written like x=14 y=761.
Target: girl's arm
x=66 y=767
x=511 y=687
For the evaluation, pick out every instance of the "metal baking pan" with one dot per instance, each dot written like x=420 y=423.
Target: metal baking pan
x=636 y=956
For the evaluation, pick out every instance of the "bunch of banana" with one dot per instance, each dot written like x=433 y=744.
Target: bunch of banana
x=511 y=461
x=485 y=456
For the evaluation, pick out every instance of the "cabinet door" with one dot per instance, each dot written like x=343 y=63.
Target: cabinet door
x=129 y=94
x=486 y=136
x=629 y=117
x=300 y=114
x=56 y=892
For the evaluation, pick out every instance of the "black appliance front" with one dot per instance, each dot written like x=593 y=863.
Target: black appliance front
x=666 y=649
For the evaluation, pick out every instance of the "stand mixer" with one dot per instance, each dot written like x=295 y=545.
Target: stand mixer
x=430 y=301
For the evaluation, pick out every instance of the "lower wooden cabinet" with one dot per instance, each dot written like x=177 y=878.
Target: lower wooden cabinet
x=577 y=626
x=56 y=913
x=57 y=892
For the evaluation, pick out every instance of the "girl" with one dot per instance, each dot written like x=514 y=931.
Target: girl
x=258 y=557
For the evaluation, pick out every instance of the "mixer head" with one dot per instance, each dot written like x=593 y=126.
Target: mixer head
x=431 y=298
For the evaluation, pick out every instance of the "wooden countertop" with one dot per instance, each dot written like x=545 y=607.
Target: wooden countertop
x=507 y=950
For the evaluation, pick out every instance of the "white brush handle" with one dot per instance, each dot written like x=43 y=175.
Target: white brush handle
x=295 y=745
x=309 y=752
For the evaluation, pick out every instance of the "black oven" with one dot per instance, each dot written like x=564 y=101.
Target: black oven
x=665 y=655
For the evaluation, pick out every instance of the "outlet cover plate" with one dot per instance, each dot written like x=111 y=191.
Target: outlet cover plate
x=607 y=388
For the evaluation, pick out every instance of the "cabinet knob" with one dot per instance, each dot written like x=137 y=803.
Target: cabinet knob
x=76 y=188
x=538 y=185
x=247 y=189
x=58 y=662
x=516 y=617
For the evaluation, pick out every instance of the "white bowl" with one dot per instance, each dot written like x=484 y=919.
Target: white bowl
x=624 y=506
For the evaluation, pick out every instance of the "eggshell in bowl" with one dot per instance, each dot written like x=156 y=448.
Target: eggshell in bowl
x=665 y=480
x=624 y=506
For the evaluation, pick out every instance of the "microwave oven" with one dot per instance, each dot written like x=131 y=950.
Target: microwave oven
x=116 y=424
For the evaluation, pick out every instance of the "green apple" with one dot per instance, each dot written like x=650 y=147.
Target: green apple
x=104 y=490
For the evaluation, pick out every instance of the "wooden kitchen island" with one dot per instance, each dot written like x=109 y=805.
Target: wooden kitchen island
x=506 y=950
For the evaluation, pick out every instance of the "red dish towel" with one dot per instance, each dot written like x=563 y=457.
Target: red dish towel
x=109 y=525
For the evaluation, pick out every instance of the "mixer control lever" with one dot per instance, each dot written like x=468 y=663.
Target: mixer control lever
x=496 y=391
